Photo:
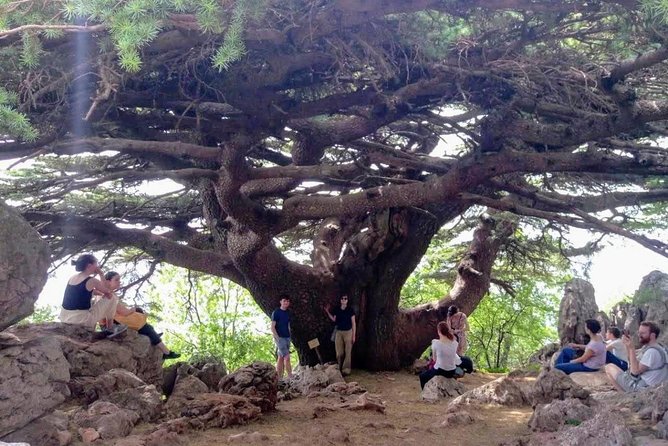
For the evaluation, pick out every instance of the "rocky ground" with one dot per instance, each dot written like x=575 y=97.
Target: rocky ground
x=407 y=419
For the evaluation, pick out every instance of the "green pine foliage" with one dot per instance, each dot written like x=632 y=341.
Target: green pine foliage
x=13 y=125
x=133 y=24
x=210 y=317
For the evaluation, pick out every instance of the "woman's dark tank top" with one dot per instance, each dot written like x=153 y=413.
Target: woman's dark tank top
x=77 y=297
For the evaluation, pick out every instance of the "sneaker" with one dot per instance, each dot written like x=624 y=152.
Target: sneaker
x=117 y=330
x=171 y=355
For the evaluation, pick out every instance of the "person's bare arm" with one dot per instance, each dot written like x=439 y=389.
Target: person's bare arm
x=330 y=315
x=587 y=354
x=635 y=367
x=273 y=330
x=123 y=310
x=100 y=286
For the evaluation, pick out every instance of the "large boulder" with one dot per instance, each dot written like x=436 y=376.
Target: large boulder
x=34 y=380
x=553 y=416
x=652 y=295
x=209 y=371
x=606 y=428
x=258 y=382
x=89 y=357
x=577 y=305
x=38 y=432
x=24 y=262
x=440 y=387
x=108 y=420
x=504 y=391
x=553 y=384
x=187 y=388
x=313 y=379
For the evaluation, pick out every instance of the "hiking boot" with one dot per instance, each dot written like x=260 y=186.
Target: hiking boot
x=171 y=355
x=116 y=331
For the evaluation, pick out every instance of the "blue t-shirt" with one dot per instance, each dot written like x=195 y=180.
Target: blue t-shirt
x=282 y=319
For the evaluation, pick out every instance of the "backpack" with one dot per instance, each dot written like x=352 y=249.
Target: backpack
x=661 y=349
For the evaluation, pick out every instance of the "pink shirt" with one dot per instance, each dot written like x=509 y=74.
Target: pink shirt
x=598 y=360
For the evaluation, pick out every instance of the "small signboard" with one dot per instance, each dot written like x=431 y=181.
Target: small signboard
x=313 y=343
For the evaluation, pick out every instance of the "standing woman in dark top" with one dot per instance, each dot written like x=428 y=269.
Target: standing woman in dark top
x=77 y=306
x=344 y=317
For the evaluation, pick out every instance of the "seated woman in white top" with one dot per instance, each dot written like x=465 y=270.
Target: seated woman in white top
x=616 y=350
x=444 y=352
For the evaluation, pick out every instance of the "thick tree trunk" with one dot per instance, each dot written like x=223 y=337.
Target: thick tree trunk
x=371 y=271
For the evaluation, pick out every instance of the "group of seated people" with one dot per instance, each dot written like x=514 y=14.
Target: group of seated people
x=89 y=300
x=626 y=369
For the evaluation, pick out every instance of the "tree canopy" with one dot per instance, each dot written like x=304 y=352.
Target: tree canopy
x=363 y=126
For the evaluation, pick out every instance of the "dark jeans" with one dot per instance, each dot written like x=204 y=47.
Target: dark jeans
x=612 y=359
x=148 y=330
x=466 y=365
x=563 y=362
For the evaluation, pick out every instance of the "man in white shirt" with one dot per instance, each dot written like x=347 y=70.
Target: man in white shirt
x=652 y=368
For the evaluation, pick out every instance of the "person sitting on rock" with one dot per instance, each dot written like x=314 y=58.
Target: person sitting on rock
x=616 y=350
x=136 y=319
x=78 y=307
x=594 y=352
x=444 y=353
x=652 y=368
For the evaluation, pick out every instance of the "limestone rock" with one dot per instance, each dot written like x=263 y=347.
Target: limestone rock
x=88 y=357
x=503 y=391
x=210 y=410
x=34 y=381
x=338 y=435
x=248 y=437
x=591 y=379
x=459 y=418
x=340 y=389
x=554 y=384
x=440 y=387
x=88 y=435
x=186 y=389
x=210 y=372
x=92 y=388
x=24 y=262
x=37 y=432
x=653 y=292
x=258 y=382
x=577 y=305
x=107 y=419
x=606 y=428
x=553 y=416
x=310 y=379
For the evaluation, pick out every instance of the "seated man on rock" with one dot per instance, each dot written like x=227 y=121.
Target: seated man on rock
x=648 y=371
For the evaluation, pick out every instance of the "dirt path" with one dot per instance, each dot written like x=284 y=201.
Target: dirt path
x=407 y=421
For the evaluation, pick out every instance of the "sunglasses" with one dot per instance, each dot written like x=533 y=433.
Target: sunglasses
x=344 y=298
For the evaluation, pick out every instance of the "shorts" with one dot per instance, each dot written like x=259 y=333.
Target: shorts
x=283 y=346
x=630 y=383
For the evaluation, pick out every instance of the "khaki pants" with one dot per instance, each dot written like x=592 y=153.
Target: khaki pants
x=344 y=349
x=102 y=309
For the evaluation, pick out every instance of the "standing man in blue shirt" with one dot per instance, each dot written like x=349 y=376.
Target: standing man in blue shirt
x=280 y=328
x=344 y=318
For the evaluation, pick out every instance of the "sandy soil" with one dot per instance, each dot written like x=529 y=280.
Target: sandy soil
x=407 y=420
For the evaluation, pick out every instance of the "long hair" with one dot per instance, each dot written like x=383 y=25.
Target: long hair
x=444 y=330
